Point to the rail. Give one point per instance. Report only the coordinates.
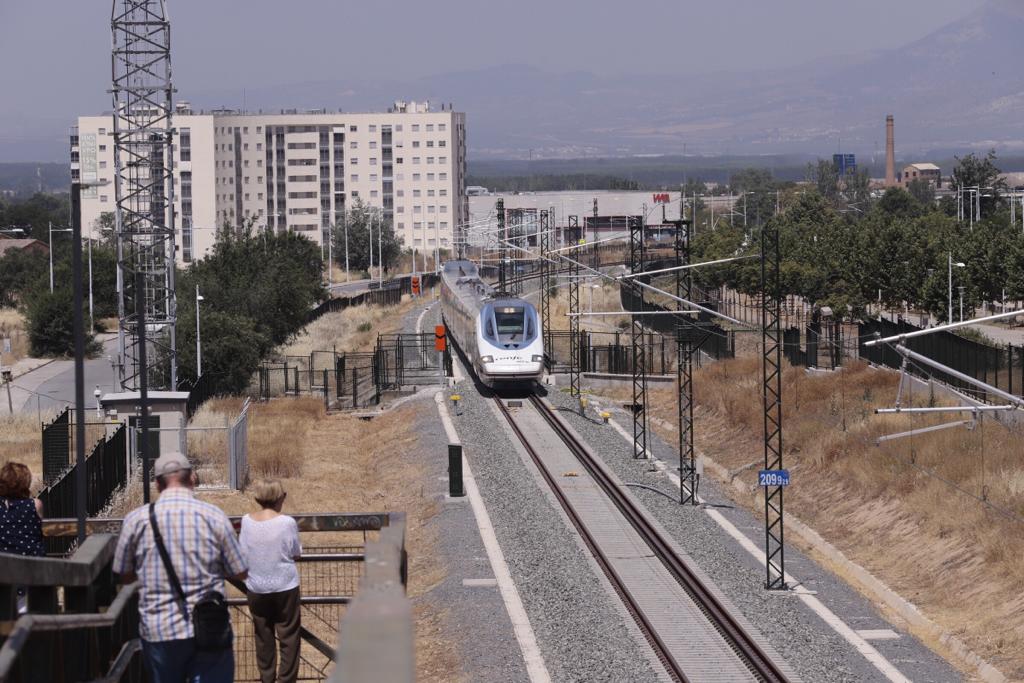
(716, 612)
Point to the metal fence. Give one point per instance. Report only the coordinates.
(106, 470)
(56, 438)
(1001, 367)
(238, 450)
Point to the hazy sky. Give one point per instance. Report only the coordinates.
(55, 54)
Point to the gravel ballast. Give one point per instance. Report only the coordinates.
(811, 646)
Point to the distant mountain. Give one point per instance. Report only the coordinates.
(959, 88)
(956, 88)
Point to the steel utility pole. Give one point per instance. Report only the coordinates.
(771, 387)
(78, 330)
(143, 184)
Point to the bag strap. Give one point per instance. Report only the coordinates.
(165, 556)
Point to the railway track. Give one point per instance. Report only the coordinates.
(720, 622)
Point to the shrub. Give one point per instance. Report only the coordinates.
(50, 317)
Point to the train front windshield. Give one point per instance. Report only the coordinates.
(510, 325)
(511, 322)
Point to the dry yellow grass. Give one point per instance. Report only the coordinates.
(21, 441)
(338, 463)
(885, 506)
(12, 326)
(605, 298)
(353, 329)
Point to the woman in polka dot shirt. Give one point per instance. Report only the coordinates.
(21, 526)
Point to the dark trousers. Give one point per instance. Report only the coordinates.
(276, 613)
(178, 661)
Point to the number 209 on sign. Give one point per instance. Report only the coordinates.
(773, 478)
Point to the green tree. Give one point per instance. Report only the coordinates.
(356, 228)
(923, 191)
(50, 318)
(758, 188)
(22, 272)
(980, 172)
(824, 175)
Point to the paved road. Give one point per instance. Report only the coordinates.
(51, 387)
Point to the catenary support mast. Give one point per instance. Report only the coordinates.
(143, 187)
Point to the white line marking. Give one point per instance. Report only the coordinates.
(419, 320)
(479, 583)
(878, 634)
(535, 667)
(808, 597)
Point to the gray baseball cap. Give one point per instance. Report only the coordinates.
(168, 463)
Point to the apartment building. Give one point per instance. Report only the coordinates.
(297, 171)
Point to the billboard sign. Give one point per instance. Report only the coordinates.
(845, 163)
(661, 198)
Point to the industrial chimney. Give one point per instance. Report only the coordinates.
(890, 152)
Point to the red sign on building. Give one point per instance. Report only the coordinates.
(661, 198)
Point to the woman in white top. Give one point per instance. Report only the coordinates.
(271, 545)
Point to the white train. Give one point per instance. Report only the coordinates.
(499, 334)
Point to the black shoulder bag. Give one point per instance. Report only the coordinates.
(211, 620)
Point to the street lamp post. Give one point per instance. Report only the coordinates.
(380, 246)
(958, 264)
(51, 231)
(961, 288)
(199, 343)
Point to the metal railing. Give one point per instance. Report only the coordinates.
(94, 634)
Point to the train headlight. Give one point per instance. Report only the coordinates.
(486, 359)
(537, 359)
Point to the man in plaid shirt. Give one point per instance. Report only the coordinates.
(203, 549)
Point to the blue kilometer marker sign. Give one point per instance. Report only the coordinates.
(773, 478)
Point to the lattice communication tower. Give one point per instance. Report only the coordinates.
(143, 187)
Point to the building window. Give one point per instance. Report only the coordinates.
(103, 148)
(430, 193)
(430, 128)
(430, 176)
(373, 144)
(431, 209)
(373, 193)
(355, 193)
(103, 198)
(443, 192)
(415, 193)
(260, 197)
(430, 143)
(259, 129)
(259, 146)
(444, 176)
(353, 145)
(400, 209)
(441, 127)
(415, 160)
(442, 160)
(417, 225)
(246, 180)
(417, 209)
(354, 178)
(353, 129)
(442, 143)
(103, 164)
(246, 196)
(259, 163)
(373, 177)
(415, 177)
(373, 161)
(354, 161)
(444, 208)
(373, 128)
(400, 193)
(103, 131)
(430, 160)
(415, 143)
(415, 128)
